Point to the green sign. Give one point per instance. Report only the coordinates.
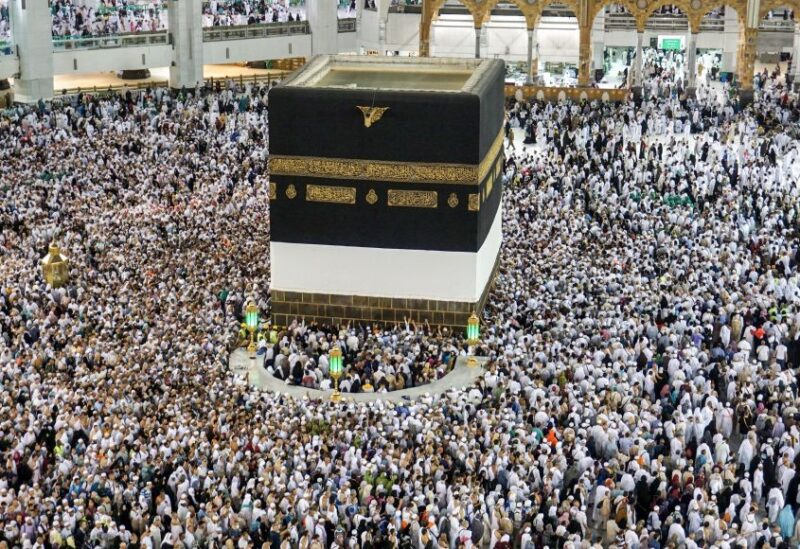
(671, 44)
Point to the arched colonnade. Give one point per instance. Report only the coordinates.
(749, 13)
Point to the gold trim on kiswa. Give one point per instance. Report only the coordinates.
(487, 189)
(413, 199)
(273, 190)
(372, 170)
(333, 195)
(474, 203)
(489, 160)
(498, 168)
(379, 170)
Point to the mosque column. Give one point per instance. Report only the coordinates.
(746, 63)
(359, 12)
(425, 28)
(382, 23)
(795, 72)
(484, 41)
(747, 51)
(185, 18)
(638, 61)
(598, 41)
(691, 61)
(323, 20)
(584, 55)
(533, 60)
(478, 31)
(730, 42)
(31, 27)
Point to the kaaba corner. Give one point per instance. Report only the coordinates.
(385, 188)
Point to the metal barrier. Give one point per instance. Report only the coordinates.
(613, 21)
(104, 91)
(347, 24)
(671, 23)
(776, 25)
(551, 10)
(555, 9)
(111, 41)
(554, 94)
(712, 24)
(269, 79)
(406, 8)
(626, 21)
(244, 32)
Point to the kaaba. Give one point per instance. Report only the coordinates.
(385, 187)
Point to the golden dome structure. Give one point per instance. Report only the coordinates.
(55, 267)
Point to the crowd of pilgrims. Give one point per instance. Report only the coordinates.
(5, 23)
(373, 362)
(223, 13)
(90, 18)
(642, 337)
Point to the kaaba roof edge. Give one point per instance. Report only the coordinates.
(312, 73)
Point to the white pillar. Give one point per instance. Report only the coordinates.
(31, 26)
(730, 41)
(484, 40)
(186, 29)
(478, 42)
(637, 68)
(752, 18)
(530, 55)
(359, 11)
(691, 60)
(599, 41)
(323, 18)
(796, 54)
(382, 24)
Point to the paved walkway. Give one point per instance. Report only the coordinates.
(462, 376)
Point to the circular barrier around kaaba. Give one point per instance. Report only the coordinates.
(461, 376)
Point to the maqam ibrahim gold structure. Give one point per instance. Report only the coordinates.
(55, 267)
(749, 12)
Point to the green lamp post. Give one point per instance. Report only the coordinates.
(335, 371)
(251, 323)
(473, 329)
(473, 337)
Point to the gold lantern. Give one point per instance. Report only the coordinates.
(55, 267)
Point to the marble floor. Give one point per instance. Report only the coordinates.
(613, 77)
(251, 371)
(161, 75)
(157, 75)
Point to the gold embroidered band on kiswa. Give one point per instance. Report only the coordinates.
(334, 195)
(380, 170)
(412, 199)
